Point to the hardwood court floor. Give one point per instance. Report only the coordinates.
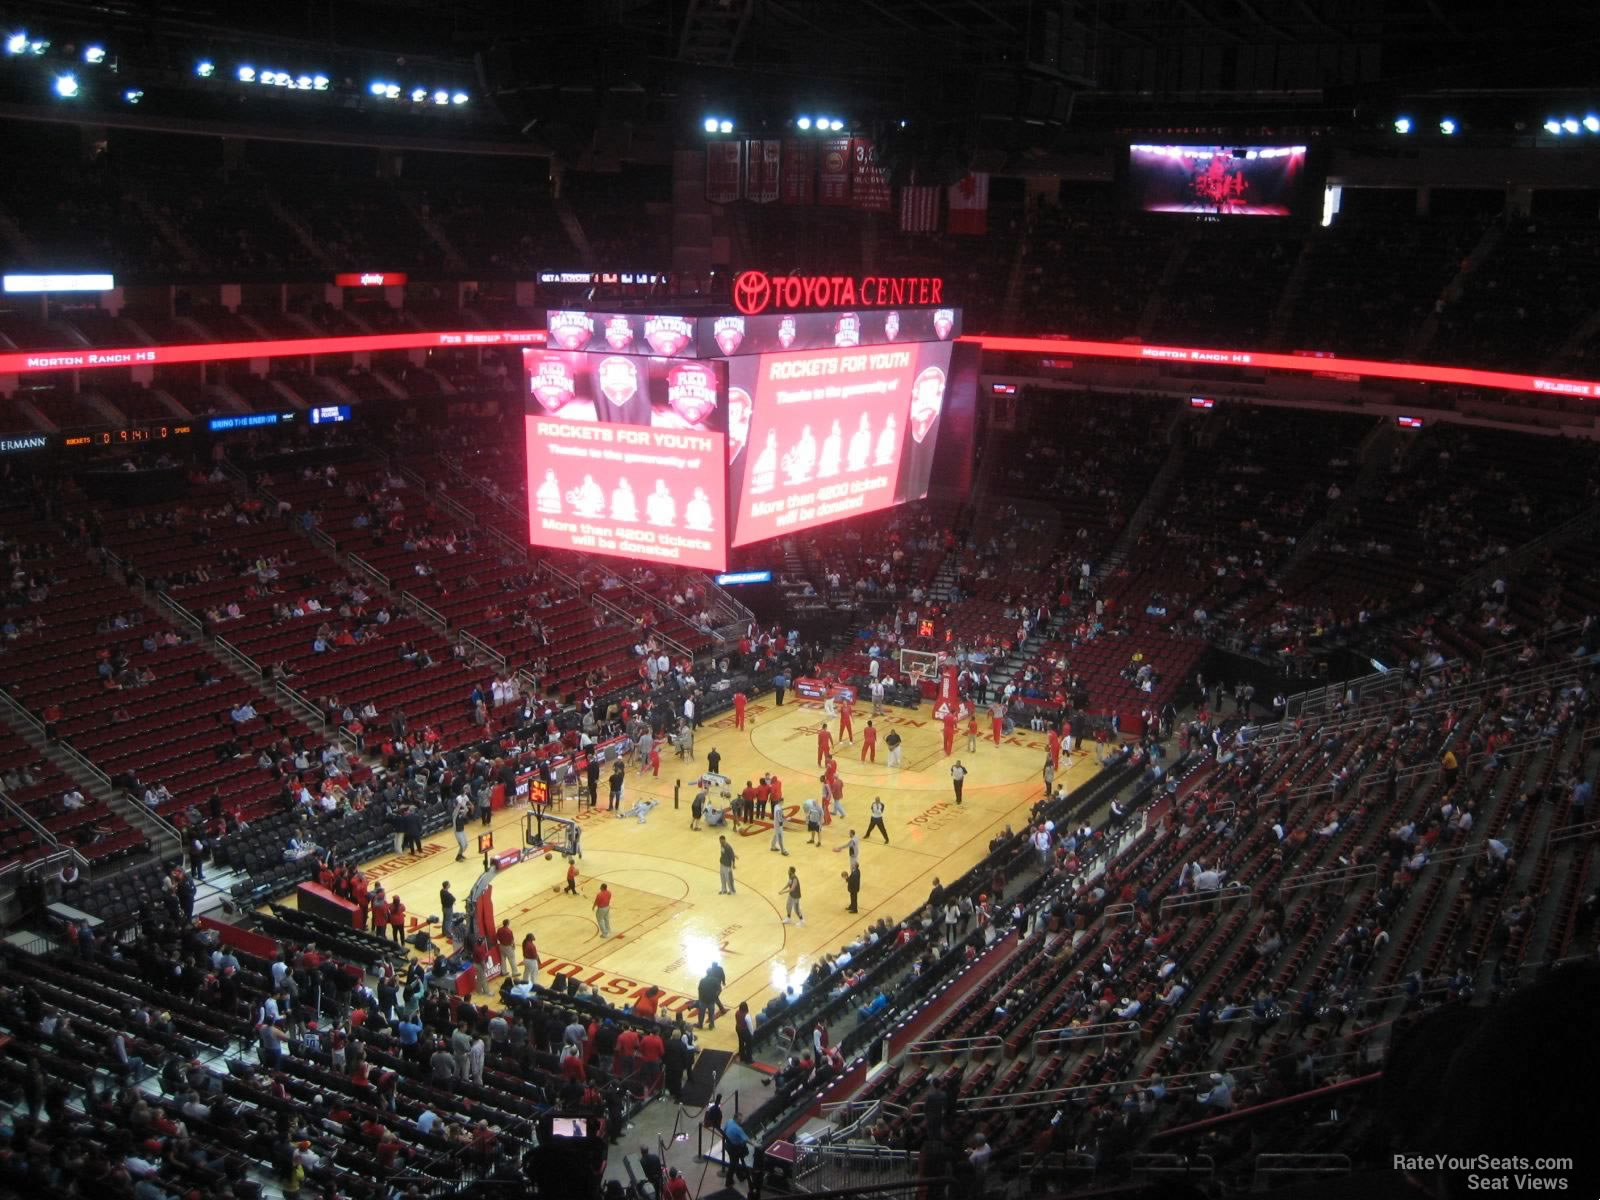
(669, 921)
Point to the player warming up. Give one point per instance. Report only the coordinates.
(869, 742)
(824, 743)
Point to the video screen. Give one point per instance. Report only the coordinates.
(1235, 181)
(814, 437)
(626, 456)
(773, 333)
(569, 1127)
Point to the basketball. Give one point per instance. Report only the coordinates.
(548, 856)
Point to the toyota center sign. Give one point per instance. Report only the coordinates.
(756, 291)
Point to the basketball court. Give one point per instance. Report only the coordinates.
(669, 920)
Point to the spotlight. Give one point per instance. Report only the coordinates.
(377, 87)
(441, 97)
(803, 123)
(1552, 126)
(418, 95)
(66, 86)
(1570, 125)
(1402, 124)
(247, 74)
(17, 43)
(709, 125)
(391, 91)
(459, 98)
(726, 127)
(303, 83)
(319, 83)
(836, 124)
(1592, 123)
(1447, 126)
(205, 68)
(133, 95)
(94, 55)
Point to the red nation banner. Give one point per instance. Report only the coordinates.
(833, 173)
(722, 171)
(869, 183)
(799, 172)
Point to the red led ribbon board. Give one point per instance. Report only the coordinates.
(1415, 372)
(26, 361)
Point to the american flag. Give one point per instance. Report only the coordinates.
(919, 209)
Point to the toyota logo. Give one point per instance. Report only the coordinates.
(752, 292)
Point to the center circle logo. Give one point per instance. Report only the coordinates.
(752, 292)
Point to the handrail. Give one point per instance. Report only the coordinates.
(482, 647)
(507, 542)
(1568, 833)
(1253, 1110)
(426, 610)
(55, 858)
(1227, 893)
(308, 711)
(28, 818)
(177, 610)
(1128, 1027)
(1302, 1164)
(239, 657)
(985, 1041)
(367, 569)
(1051, 1097)
(1329, 875)
(670, 642)
(1155, 1163)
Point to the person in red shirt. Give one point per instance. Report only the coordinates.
(747, 801)
(869, 742)
(380, 914)
(651, 1048)
(397, 921)
(972, 731)
(1054, 741)
(763, 797)
(997, 719)
(739, 701)
(824, 742)
(677, 1186)
(847, 728)
(949, 731)
(775, 787)
(646, 1005)
(507, 941)
(480, 956)
(655, 758)
(1066, 732)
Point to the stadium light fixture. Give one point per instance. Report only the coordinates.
(1448, 126)
(725, 127)
(803, 123)
(836, 124)
(205, 68)
(460, 98)
(133, 95)
(377, 87)
(418, 95)
(247, 74)
(1570, 125)
(67, 86)
(319, 83)
(709, 125)
(303, 83)
(1402, 124)
(1592, 123)
(94, 55)
(441, 97)
(1552, 126)
(391, 91)
(17, 43)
